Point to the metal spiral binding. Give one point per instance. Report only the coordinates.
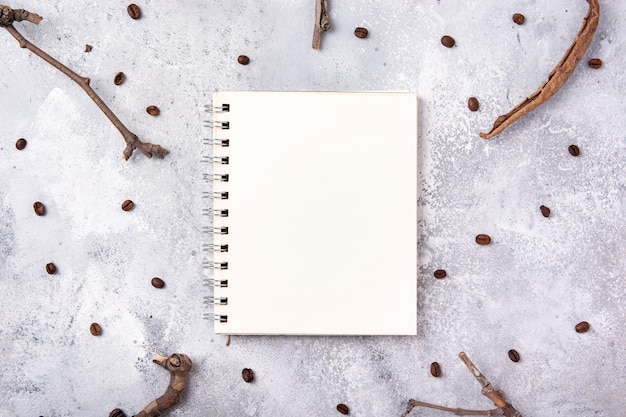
(216, 317)
(215, 252)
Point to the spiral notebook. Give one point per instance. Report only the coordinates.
(315, 213)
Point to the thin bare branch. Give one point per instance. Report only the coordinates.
(457, 411)
(488, 391)
(9, 15)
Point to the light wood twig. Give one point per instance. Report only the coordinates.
(322, 22)
(457, 411)
(497, 397)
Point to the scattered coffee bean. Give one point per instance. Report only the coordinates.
(243, 60)
(343, 409)
(247, 374)
(153, 110)
(545, 211)
(95, 329)
(472, 103)
(117, 413)
(440, 274)
(483, 239)
(448, 41)
(361, 33)
(519, 18)
(435, 370)
(51, 268)
(88, 48)
(595, 63)
(514, 355)
(128, 205)
(40, 209)
(20, 144)
(158, 282)
(582, 327)
(133, 11)
(119, 78)
(573, 150)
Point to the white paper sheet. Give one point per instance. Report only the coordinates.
(322, 213)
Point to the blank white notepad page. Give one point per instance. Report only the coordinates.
(322, 203)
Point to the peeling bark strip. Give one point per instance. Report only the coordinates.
(558, 76)
(9, 15)
(179, 366)
(322, 22)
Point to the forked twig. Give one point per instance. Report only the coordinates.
(557, 77)
(504, 408)
(322, 22)
(9, 15)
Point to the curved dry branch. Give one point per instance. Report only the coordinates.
(556, 78)
(179, 366)
(8, 16)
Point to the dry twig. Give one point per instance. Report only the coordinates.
(556, 78)
(9, 15)
(504, 408)
(496, 397)
(179, 366)
(322, 22)
(458, 411)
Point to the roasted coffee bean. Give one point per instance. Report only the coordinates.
(448, 41)
(545, 211)
(595, 63)
(51, 268)
(483, 239)
(361, 33)
(513, 355)
(158, 282)
(472, 103)
(440, 273)
(247, 374)
(20, 144)
(117, 413)
(88, 48)
(573, 150)
(243, 60)
(133, 11)
(128, 205)
(343, 409)
(119, 78)
(582, 327)
(95, 329)
(435, 370)
(519, 18)
(153, 110)
(40, 209)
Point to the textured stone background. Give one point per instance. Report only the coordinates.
(526, 290)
